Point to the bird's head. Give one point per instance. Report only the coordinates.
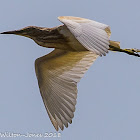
(30, 31)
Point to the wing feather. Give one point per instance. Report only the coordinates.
(93, 35)
(58, 74)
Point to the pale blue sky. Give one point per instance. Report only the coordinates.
(108, 104)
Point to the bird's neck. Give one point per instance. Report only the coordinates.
(49, 37)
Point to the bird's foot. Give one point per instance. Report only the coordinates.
(132, 51)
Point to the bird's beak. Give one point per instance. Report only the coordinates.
(16, 32)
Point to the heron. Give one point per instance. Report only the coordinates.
(77, 43)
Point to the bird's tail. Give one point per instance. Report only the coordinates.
(115, 46)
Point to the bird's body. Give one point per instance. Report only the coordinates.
(59, 37)
(77, 44)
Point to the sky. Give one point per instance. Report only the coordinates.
(108, 104)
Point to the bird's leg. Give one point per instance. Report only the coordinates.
(132, 51)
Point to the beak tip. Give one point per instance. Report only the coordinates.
(5, 33)
(2, 33)
(9, 32)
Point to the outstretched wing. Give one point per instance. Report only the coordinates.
(93, 35)
(58, 74)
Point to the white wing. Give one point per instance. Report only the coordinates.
(58, 74)
(93, 35)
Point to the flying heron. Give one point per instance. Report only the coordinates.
(77, 43)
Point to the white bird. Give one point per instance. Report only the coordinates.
(77, 44)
